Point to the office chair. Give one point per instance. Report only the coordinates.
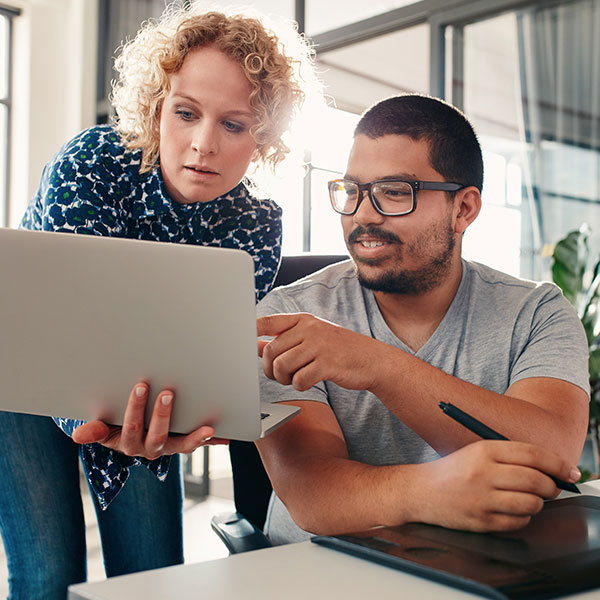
(242, 530)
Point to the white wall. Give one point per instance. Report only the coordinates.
(54, 86)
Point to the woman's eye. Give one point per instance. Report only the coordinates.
(186, 115)
(233, 127)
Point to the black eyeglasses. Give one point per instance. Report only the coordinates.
(389, 197)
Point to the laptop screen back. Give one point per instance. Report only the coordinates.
(83, 318)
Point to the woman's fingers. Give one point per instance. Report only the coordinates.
(90, 432)
(132, 430)
(186, 444)
(158, 430)
(133, 440)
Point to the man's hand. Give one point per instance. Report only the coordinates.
(307, 350)
(133, 440)
(491, 485)
(486, 485)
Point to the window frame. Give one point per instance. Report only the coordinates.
(439, 15)
(9, 14)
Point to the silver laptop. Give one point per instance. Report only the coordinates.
(83, 318)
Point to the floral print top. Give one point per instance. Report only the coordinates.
(93, 186)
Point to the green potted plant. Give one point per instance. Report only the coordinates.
(577, 273)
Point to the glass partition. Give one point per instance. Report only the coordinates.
(361, 74)
(5, 100)
(530, 83)
(323, 16)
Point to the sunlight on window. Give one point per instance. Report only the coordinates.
(326, 227)
(4, 116)
(329, 153)
(495, 236)
(326, 135)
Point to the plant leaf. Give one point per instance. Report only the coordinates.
(571, 256)
(595, 364)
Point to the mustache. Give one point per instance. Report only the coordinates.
(372, 231)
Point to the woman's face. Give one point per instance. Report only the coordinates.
(205, 143)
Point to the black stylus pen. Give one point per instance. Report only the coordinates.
(483, 431)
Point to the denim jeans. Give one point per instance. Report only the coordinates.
(41, 513)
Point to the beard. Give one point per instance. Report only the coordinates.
(434, 266)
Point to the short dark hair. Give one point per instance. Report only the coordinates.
(454, 150)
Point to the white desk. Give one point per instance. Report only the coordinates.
(292, 572)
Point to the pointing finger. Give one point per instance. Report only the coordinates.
(274, 325)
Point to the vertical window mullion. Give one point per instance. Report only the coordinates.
(5, 114)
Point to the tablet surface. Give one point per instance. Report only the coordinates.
(556, 554)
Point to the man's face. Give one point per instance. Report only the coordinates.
(409, 254)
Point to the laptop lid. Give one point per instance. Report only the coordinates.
(83, 318)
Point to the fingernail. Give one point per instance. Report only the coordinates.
(166, 399)
(140, 391)
(207, 439)
(575, 474)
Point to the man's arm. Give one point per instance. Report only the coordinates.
(544, 411)
(486, 486)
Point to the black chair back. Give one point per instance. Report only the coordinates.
(251, 486)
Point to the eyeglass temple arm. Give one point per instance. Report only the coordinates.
(443, 186)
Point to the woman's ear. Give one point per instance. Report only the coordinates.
(467, 206)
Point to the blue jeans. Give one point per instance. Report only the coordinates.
(41, 513)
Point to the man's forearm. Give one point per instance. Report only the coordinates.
(326, 495)
(547, 412)
(307, 350)
(486, 486)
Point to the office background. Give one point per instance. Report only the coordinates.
(527, 74)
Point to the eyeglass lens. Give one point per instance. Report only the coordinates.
(393, 197)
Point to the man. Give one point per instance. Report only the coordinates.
(371, 346)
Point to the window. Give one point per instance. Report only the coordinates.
(309, 222)
(6, 17)
(528, 79)
(498, 237)
(529, 82)
(323, 16)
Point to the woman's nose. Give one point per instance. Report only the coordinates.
(204, 139)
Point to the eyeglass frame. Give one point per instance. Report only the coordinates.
(416, 186)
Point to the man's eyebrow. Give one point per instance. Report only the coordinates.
(402, 176)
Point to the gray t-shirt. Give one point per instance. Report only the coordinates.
(498, 330)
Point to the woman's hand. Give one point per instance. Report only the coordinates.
(133, 440)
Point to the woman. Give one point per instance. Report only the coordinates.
(200, 97)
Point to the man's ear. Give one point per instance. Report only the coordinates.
(467, 204)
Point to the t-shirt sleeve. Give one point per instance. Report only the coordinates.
(557, 345)
(277, 302)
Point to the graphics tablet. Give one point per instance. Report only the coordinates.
(558, 553)
(83, 318)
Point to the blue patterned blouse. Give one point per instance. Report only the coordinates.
(93, 186)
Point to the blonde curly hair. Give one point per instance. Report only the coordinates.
(278, 70)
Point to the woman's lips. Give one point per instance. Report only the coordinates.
(201, 173)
